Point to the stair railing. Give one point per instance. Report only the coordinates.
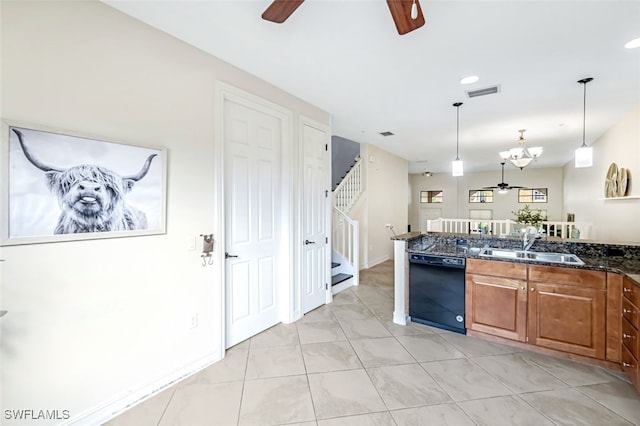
(345, 240)
(347, 193)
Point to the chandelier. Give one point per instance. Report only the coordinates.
(521, 156)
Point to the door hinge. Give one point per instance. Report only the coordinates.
(326, 147)
(326, 193)
(326, 286)
(326, 240)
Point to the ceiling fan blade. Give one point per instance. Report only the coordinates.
(401, 13)
(280, 10)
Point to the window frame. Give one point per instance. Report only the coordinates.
(481, 201)
(430, 196)
(531, 199)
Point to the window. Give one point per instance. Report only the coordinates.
(431, 196)
(533, 195)
(481, 196)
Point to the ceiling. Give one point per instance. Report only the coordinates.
(346, 57)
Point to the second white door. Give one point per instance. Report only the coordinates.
(315, 203)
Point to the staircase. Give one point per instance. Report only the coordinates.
(344, 254)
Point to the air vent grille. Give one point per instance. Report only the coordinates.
(386, 133)
(482, 92)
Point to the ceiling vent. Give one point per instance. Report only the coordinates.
(386, 133)
(482, 92)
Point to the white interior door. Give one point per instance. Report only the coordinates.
(315, 202)
(252, 175)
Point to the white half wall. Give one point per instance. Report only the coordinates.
(94, 324)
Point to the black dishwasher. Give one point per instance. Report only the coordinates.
(436, 291)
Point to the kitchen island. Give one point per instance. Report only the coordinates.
(584, 309)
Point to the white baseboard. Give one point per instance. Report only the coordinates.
(377, 261)
(110, 409)
(400, 318)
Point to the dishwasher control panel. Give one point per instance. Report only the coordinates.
(453, 262)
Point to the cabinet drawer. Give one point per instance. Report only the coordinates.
(630, 338)
(568, 276)
(631, 291)
(497, 269)
(630, 366)
(630, 312)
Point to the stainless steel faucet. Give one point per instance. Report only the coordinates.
(528, 238)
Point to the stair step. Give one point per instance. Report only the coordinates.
(334, 264)
(337, 279)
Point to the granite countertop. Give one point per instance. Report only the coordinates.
(434, 244)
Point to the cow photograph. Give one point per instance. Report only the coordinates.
(63, 187)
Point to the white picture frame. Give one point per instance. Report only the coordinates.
(59, 185)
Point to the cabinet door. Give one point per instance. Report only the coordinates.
(614, 303)
(496, 306)
(567, 318)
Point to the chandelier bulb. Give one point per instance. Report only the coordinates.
(414, 10)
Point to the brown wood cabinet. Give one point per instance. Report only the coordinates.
(567, 310)
(630, 327)
(496, 298)
(553, 307)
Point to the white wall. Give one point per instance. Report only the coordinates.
(385, 200)
(456, 192)
(93, 321)
(614, 220)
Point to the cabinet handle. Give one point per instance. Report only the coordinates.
(533, 289)
(523, 288)
(627, 311)
(627, 336)
(626, 364)
(626, 290)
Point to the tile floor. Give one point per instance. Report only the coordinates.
(347, 364)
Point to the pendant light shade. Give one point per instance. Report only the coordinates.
(457, 168)
(584, 154)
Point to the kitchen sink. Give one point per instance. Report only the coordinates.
(535, 256)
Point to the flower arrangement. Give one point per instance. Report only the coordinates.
(526, 216)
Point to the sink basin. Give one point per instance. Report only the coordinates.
(511, 254)
(535, 256)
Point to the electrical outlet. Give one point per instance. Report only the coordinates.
(193, 321)
(190, 243)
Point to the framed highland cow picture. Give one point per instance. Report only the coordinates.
(60, 186)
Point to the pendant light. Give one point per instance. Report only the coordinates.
(456, 165)
(522, 156)
(584, 154)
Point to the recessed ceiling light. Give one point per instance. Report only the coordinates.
(387, 133)
(633, 44)
(470, 79)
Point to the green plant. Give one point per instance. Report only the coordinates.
(526, 216)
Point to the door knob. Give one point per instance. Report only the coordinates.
(227, 255)
(307, 242)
